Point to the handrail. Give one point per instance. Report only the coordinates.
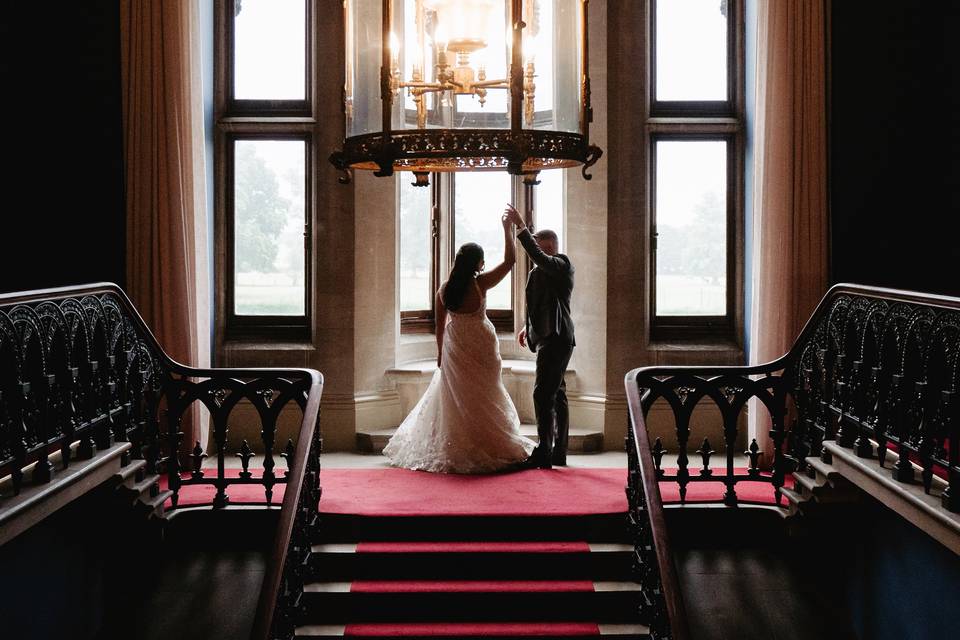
(299, 510)
(872, 368)
(80, 363)
(661, 586)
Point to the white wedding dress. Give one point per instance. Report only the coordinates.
(465, 422)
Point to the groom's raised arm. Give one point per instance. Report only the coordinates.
(550, 264)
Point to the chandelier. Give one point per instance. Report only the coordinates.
(465, 85)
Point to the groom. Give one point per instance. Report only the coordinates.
(548, 331)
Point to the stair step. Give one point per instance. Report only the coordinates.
(132, 471)
(146, 488)
(581, 440)
(605, 527)
(470, 601)
(471, 630)
(811, 486)
(155, 503)
(822, 468)
(488, 560)
(794, 499)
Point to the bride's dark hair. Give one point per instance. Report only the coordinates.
(465, 267)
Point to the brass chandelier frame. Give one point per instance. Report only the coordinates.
(518, 150)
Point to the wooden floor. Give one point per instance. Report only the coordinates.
(746, 576)
(195, 595)
(756, 594)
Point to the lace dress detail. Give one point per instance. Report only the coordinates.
(466, 421)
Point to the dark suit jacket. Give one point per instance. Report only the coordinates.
(549, 286)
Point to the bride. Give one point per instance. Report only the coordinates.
(465, 422)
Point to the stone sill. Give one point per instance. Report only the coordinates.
(423, 338)
(679, 345)
(908, 500)
(262, 345)
(425, 369)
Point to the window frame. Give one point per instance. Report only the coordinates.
(700, 120)
(425, 320)
(259, 120)
(695, 108)
(694, 326)
(443, 195)
(267, 108)
(287, 326)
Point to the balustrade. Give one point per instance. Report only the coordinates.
(873, 369)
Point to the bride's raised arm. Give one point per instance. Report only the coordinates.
(492, 278)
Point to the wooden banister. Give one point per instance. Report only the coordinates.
(291, 545)
(667, 617)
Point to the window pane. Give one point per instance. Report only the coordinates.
(270, 50)
(480, 200)
(415, 246)
(548, 203)
(269, 217)
(691, 49)
(691, 215)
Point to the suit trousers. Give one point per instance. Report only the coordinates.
(550, 399)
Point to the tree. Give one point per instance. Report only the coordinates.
(260, 212)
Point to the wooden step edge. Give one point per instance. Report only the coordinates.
(155, 503)
(148, 487)
(821, 467)
(810, 485)
(131, 470)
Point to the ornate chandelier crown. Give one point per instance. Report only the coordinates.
(466, 85)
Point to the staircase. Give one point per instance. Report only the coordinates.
(818, 483)
(142, 489)
(471, 577)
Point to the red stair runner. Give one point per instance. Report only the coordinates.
(473, 547)
(492, 629)
(470, 586)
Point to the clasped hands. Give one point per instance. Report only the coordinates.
(512, 216)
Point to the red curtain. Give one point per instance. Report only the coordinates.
(790, 238)
(165, 185)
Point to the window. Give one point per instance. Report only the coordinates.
(264, 144)
(478, 202)
(694, 132)
(458, 208)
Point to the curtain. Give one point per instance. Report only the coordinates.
(790, 237)
(167, 264)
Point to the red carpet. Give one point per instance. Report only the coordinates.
(399, 492)
(492, 629)
(469, 586)
(473, 547)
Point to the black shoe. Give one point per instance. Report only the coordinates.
(545, 464)
(530, 463)
(559, 461)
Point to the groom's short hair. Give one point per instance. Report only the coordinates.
(546, 234)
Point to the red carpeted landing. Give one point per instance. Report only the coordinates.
(561, 491)
(399, 492)
(491, 629)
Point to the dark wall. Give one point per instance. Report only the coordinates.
(893, 177)
(62, 216)
(901, 584)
